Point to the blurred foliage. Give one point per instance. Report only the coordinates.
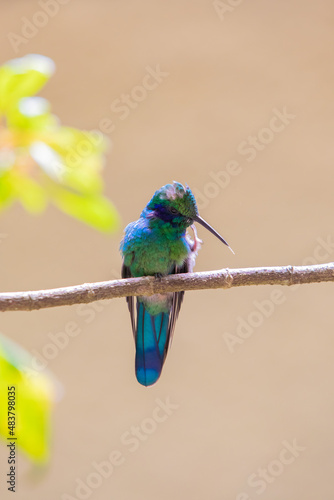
(41, 161)
(35, 393)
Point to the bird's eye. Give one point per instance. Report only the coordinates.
(173, 210)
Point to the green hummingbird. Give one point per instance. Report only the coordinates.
(157, 244)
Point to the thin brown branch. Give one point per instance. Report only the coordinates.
(225, 278)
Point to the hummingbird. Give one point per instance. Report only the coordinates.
(157, 244)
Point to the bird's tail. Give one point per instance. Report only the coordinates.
(152, 341)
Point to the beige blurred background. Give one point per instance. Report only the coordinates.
(228, 71)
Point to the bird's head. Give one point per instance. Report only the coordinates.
(175, 205)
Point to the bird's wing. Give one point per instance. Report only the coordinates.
(176, 302)
(126, 273)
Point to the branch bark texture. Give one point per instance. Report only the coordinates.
(225, 278)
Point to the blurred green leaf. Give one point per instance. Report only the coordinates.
(35, 394)
(40, 159)
(79, 147)
(23, 77)
(31, 114)
(6, 194)
(49, 161)
(32, 196)
(94, 210)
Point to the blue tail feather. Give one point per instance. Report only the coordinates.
(152, 338)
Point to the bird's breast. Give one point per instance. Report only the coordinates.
(158, 255)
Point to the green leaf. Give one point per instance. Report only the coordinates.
(86, 182)
(78, 146)
(34, 396)
(6, 192)
(43, 160)
(23, 77)
(80, 154)
(32, 196)
(31, 114)
(94, 210)
(49, 161)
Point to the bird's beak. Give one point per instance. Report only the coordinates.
(213, 231)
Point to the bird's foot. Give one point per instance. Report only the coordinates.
(196, 244)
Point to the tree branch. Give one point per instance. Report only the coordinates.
(225, 278)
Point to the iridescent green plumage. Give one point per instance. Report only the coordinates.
(156, 245)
